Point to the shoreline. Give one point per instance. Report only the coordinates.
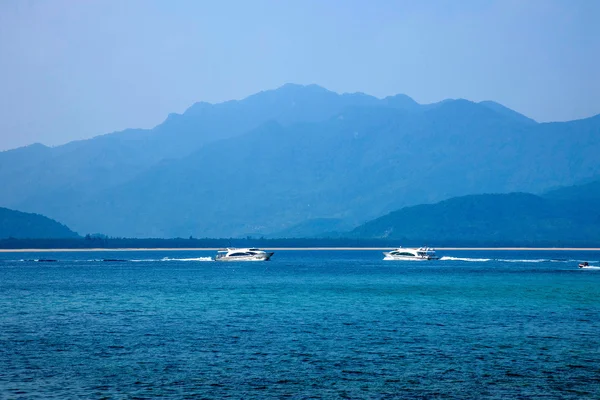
(302, 249)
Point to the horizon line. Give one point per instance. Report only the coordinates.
(297, 249)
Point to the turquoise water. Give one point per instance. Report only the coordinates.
(308, 324)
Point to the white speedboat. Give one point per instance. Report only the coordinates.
(250, 254)
(411, 253)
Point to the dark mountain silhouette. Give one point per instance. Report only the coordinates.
(566, 215)
(276, 159)
(20, 225)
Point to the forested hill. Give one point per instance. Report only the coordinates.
(20, 225)
(568, 215)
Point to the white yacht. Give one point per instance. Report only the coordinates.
(408, 253)
(250, 254)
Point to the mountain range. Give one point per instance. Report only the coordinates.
(290, 157)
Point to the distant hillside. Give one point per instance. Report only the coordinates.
(314, 228)
(499, 108)
(578, 193)
(269, 163)
(517, 217)
(20, 225)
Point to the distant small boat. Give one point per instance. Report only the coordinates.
(249, 254)
(410, 253)
(584, 264)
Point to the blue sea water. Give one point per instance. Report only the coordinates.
(307, 324)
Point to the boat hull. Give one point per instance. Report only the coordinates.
(258, 257)
(407, 258)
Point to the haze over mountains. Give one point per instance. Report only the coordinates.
(566, 217)
(294, 155)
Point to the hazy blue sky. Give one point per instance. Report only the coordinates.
(75, 69)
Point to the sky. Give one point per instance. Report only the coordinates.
(71, 70)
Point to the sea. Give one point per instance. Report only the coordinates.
(305, 325)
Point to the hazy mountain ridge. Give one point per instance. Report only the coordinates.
(351, 168)
(278, 158)
(22, 225)
(589, 191)
(505, 111)
(568, 214)
(90, 165)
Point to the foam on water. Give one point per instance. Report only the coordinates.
(509, 260)
(205, 259)
(111, 260)
(188, 259)
(448, 258)
(201, 259)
